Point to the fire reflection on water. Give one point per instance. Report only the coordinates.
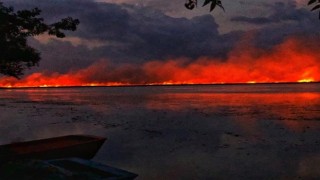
(294, 111)
(195, 129)
(243, 105)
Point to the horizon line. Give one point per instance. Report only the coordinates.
(148, 85)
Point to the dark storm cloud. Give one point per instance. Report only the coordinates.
(143, 34)
(136, 34)
(285, 21)
(129, 33)
(257, 20)
(281, 13)
(62, 57)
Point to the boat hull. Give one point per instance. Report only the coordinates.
(92, 169)
(80, 146)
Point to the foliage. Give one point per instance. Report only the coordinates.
(190, 4)
(15, 54)
(316, 7)
(214, 4)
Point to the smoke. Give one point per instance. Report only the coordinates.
(294, 60)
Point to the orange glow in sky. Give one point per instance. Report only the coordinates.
(291, 61)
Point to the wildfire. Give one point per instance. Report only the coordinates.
(287, 62)
(306, 80)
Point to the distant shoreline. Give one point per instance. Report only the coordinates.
(154, 85)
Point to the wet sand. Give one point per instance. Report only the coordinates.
(178, 133)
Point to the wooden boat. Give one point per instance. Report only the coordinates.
(87, 169)
(81, 146)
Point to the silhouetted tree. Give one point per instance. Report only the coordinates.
(191, 4)
(15, 27)
(316, 7)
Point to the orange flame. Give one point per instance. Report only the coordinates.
(288, 62)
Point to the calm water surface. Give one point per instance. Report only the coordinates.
(180, 132)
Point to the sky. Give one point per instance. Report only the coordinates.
(123, 42)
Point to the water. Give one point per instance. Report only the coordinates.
(180, 132)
